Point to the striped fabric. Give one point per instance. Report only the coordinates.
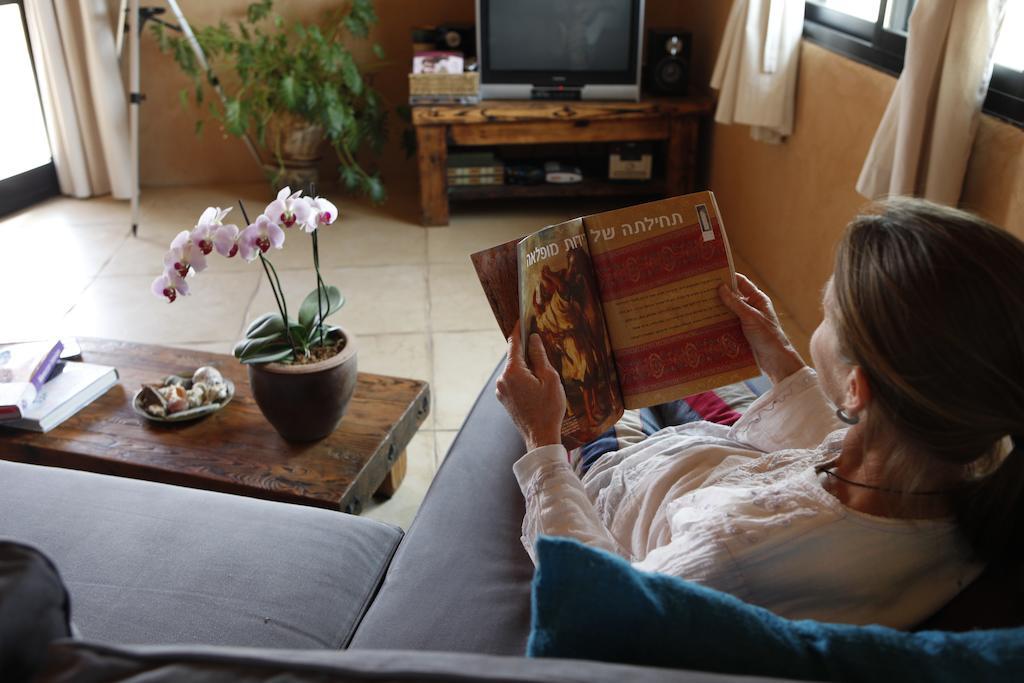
(723, 405)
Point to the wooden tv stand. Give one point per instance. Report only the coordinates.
(674, 121)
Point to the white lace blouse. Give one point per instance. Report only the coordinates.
(742, 509)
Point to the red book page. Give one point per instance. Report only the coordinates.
(658, 267)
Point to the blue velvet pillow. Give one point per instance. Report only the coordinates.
(590, 604)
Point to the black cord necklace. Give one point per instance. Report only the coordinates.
(826, 468)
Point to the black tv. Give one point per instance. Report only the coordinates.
(559, 49)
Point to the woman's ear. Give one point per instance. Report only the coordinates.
(857, 393)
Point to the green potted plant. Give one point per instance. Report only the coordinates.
(292, 87)
(302, 370)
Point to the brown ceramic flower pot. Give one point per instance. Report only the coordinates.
(306, 402)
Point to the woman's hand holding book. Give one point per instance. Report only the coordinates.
(774, 352)
(532, 395)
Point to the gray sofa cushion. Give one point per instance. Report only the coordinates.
(151, 563)
(77, 661)
(461, 579)
(34, 610)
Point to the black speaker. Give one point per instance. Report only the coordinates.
(452, 37)
(668, 61)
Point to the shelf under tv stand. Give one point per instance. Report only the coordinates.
(672, 121)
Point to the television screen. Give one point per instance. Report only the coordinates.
(560, 35)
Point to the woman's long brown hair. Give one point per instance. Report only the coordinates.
(931, 305)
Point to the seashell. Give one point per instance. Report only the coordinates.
(207, 375)
(197, 395)
(218, 393)
(156, 410)
(177, 404)
(151, 396)
(176, 397)
(173, 380)
(172, 391)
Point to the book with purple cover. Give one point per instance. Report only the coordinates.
(23, 370)
(73, 386)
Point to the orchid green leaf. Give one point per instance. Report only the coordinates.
(330, 300)
(268, 356)
(268, 323)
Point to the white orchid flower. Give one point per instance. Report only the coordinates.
(226, 240)
(288, 209)
(185, 253)
(320, 212)
(260, 237)
(204, 232)
(169, 285)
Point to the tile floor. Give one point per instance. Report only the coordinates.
(71, 267)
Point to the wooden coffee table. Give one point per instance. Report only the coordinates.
(234, 450)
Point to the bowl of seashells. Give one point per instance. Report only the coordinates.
(180, 398)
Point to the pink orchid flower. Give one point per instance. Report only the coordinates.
(185, 253)
(226, 240)
(320, 212)
(204, 232)
(260, 237)
(288, 209)
(169, 285)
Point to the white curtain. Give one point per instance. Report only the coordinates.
(923, 143)
(83, 96)
(756, 70)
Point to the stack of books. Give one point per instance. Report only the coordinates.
(475, 168)
(39, 390)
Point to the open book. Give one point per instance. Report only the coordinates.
(627, 305)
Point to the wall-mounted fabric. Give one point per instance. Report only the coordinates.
(756, 69)
(83, 95)
(925, 137)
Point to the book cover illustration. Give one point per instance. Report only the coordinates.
(497, 269)
(559, 301)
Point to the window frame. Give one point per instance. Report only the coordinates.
(874, 45)
(34, 185)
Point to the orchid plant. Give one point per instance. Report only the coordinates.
(273, 337)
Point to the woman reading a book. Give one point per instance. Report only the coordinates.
(871, 490)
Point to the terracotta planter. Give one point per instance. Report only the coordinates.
(298, 143)
(294, 138)
(306, 402)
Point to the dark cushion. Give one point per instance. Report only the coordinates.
(152, 563)
(34, 610)
(78, 661)
(590, 604)
(461, 579)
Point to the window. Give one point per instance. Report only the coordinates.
(875, 32)
(26, 165)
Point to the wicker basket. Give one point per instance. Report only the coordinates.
(464, 84)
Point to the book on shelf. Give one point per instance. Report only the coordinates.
(626, 304)
(462, 181)
(463, 171)
(475, 168)
(71, 387)
(23, 370)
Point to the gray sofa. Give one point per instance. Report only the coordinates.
(157, 574)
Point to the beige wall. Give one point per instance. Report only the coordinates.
(786, 205)
(171, 154)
